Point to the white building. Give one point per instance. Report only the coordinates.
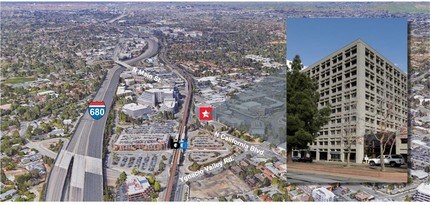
(167, 98)
(169, 105)
(49, 92)
(322, 195)
(135, 110)
(147, 99)
(423, 193)
(123, 91)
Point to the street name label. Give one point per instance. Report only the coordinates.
(244, 145)
(208, 168)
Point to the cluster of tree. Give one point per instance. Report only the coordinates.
(154, 183)
(7, 142)
(304, 119)
(194, 167)
(108, 193)
(56, 147)
(161, 167)
(109, 131)
(121, 179)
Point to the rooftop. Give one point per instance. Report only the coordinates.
(136, 184)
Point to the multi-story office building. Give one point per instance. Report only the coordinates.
(367, 93)
(423, 192)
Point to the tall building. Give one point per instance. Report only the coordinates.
(365, 91)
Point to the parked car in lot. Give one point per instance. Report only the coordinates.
(394, 160)
(301, 159)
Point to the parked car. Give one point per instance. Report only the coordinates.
(301, 159)
(394, 160)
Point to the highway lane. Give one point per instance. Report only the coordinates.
(86, 147)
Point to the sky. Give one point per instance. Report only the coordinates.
(316, 38)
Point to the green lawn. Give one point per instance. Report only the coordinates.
(18, 80)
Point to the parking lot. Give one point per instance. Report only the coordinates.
(167, 127)
(147, 162)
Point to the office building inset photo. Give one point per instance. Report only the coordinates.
(347, 110)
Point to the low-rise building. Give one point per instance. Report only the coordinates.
(147, 99)
(141, 141)
(138, 188)
(135, 110)
(322, 195)
(363, 196)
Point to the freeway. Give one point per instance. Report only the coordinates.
(77, 174)
(182, 130)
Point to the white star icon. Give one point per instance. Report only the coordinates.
(206, 114)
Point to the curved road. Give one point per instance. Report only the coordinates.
(78, 171)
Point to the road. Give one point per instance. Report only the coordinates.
(182, 131)
(297, 177)
(42, 146)
(78, 171)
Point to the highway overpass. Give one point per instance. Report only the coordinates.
(77, 174)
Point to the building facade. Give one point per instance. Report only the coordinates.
(367, 93)
(147, 142)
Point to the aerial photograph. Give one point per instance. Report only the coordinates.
(205, 102)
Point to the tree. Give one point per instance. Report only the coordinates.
(122, 177)
(274, 180)
(257, 192)
(304, 120)
(347, 137)
(157, 186)
(151, 179)
(15, 134)
(384, 137)
(29, 131)
(134, 171)
(408, 198)
(222, 198)
(266, 182)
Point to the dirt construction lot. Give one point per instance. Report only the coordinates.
(222, 184)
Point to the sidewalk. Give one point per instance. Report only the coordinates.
(357, 171)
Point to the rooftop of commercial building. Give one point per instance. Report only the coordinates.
(127, 139)
(424, 188)
(136, 184)
(134, 106)
(324, 191)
